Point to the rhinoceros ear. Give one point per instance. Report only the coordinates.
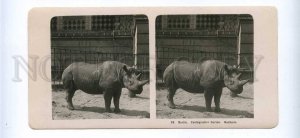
(226, 68)
(125, 69)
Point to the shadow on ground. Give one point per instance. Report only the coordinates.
(123, 111)
(242, 97)
(223, 111)
(139, 97)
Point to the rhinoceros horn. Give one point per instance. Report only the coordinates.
(243, 82)
(238, 76)
(143, 82)
(138, 76)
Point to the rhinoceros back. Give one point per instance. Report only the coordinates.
(84, 76)
(194, 77)
(92, 78)
(186, 77)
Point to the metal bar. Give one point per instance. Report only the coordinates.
(239, 46)
(54, 66)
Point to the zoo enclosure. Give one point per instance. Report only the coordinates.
(62, 58)
(167, 55)
(99, 38)
(228, 38)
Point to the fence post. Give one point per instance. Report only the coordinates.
(71, 60)
(239, 46)
(85, 56)
(54, 66)
(135, 45)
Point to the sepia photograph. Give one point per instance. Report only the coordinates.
(150, 68)
(196, 67)
(204, 66)
(100, 67)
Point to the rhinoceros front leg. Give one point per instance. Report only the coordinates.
(217, 98)
(107, 99)
(208, 94)
(170, 97)
(116, 96)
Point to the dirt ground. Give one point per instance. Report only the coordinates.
(92, 106)
(190, 105)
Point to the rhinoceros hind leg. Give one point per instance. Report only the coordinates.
(217, 98)
(107, 99)
(170, 96)
(69, 95)
(208, 98)
(116, 97)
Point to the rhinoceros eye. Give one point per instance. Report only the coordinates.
(130, 82)
(231, 82)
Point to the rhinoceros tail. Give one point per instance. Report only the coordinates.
(67, 77)
(168, 76)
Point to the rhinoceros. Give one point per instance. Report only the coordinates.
(208, 77)
(107, 78)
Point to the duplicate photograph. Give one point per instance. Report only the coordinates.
(204, 66)
(100, 67)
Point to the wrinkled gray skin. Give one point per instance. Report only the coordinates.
(208, 77)
(107, 78)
